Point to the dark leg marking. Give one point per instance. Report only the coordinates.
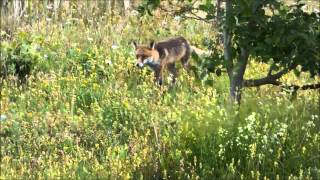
(172, 69)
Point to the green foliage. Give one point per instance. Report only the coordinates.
(147, 6)
(287, 36)
(19, 57)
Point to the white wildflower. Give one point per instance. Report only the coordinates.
(177, 18)
(49, 7)
(3, 117)
(114, 46)
(108, 61)
(310, 124)
(45, 57)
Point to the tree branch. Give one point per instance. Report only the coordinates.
(284, 86)
(269, 79)
(184, 11)
(304, 87)
(196, 17)
(272, 66)
(310, 86)
(259, 82)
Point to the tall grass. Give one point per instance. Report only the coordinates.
(85, 111)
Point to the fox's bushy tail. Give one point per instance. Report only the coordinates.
(199, 52)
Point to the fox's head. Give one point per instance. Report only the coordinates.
(146, 55)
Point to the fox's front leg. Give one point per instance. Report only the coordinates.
(158, 76)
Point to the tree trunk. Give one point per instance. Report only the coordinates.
(134, 4)
(56, 5)
(103, 6)
(74, 8)
(4, 7)
(126, 6)
(219, 13)
(18, 9)
(227, 38)
(217, 24)
(122, 7)
(113, 5)
(236, 78)
(235, 72)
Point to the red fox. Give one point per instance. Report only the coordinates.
(163, 54)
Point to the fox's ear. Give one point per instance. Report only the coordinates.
(152, 44)
(135, 44)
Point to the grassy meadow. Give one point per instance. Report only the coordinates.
(85, 111)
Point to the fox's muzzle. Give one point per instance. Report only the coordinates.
(140, 64)
(148, 61)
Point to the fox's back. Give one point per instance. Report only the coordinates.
(174, 47)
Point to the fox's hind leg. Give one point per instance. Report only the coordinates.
(172, 69)
(185, 58)
(185, 62)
